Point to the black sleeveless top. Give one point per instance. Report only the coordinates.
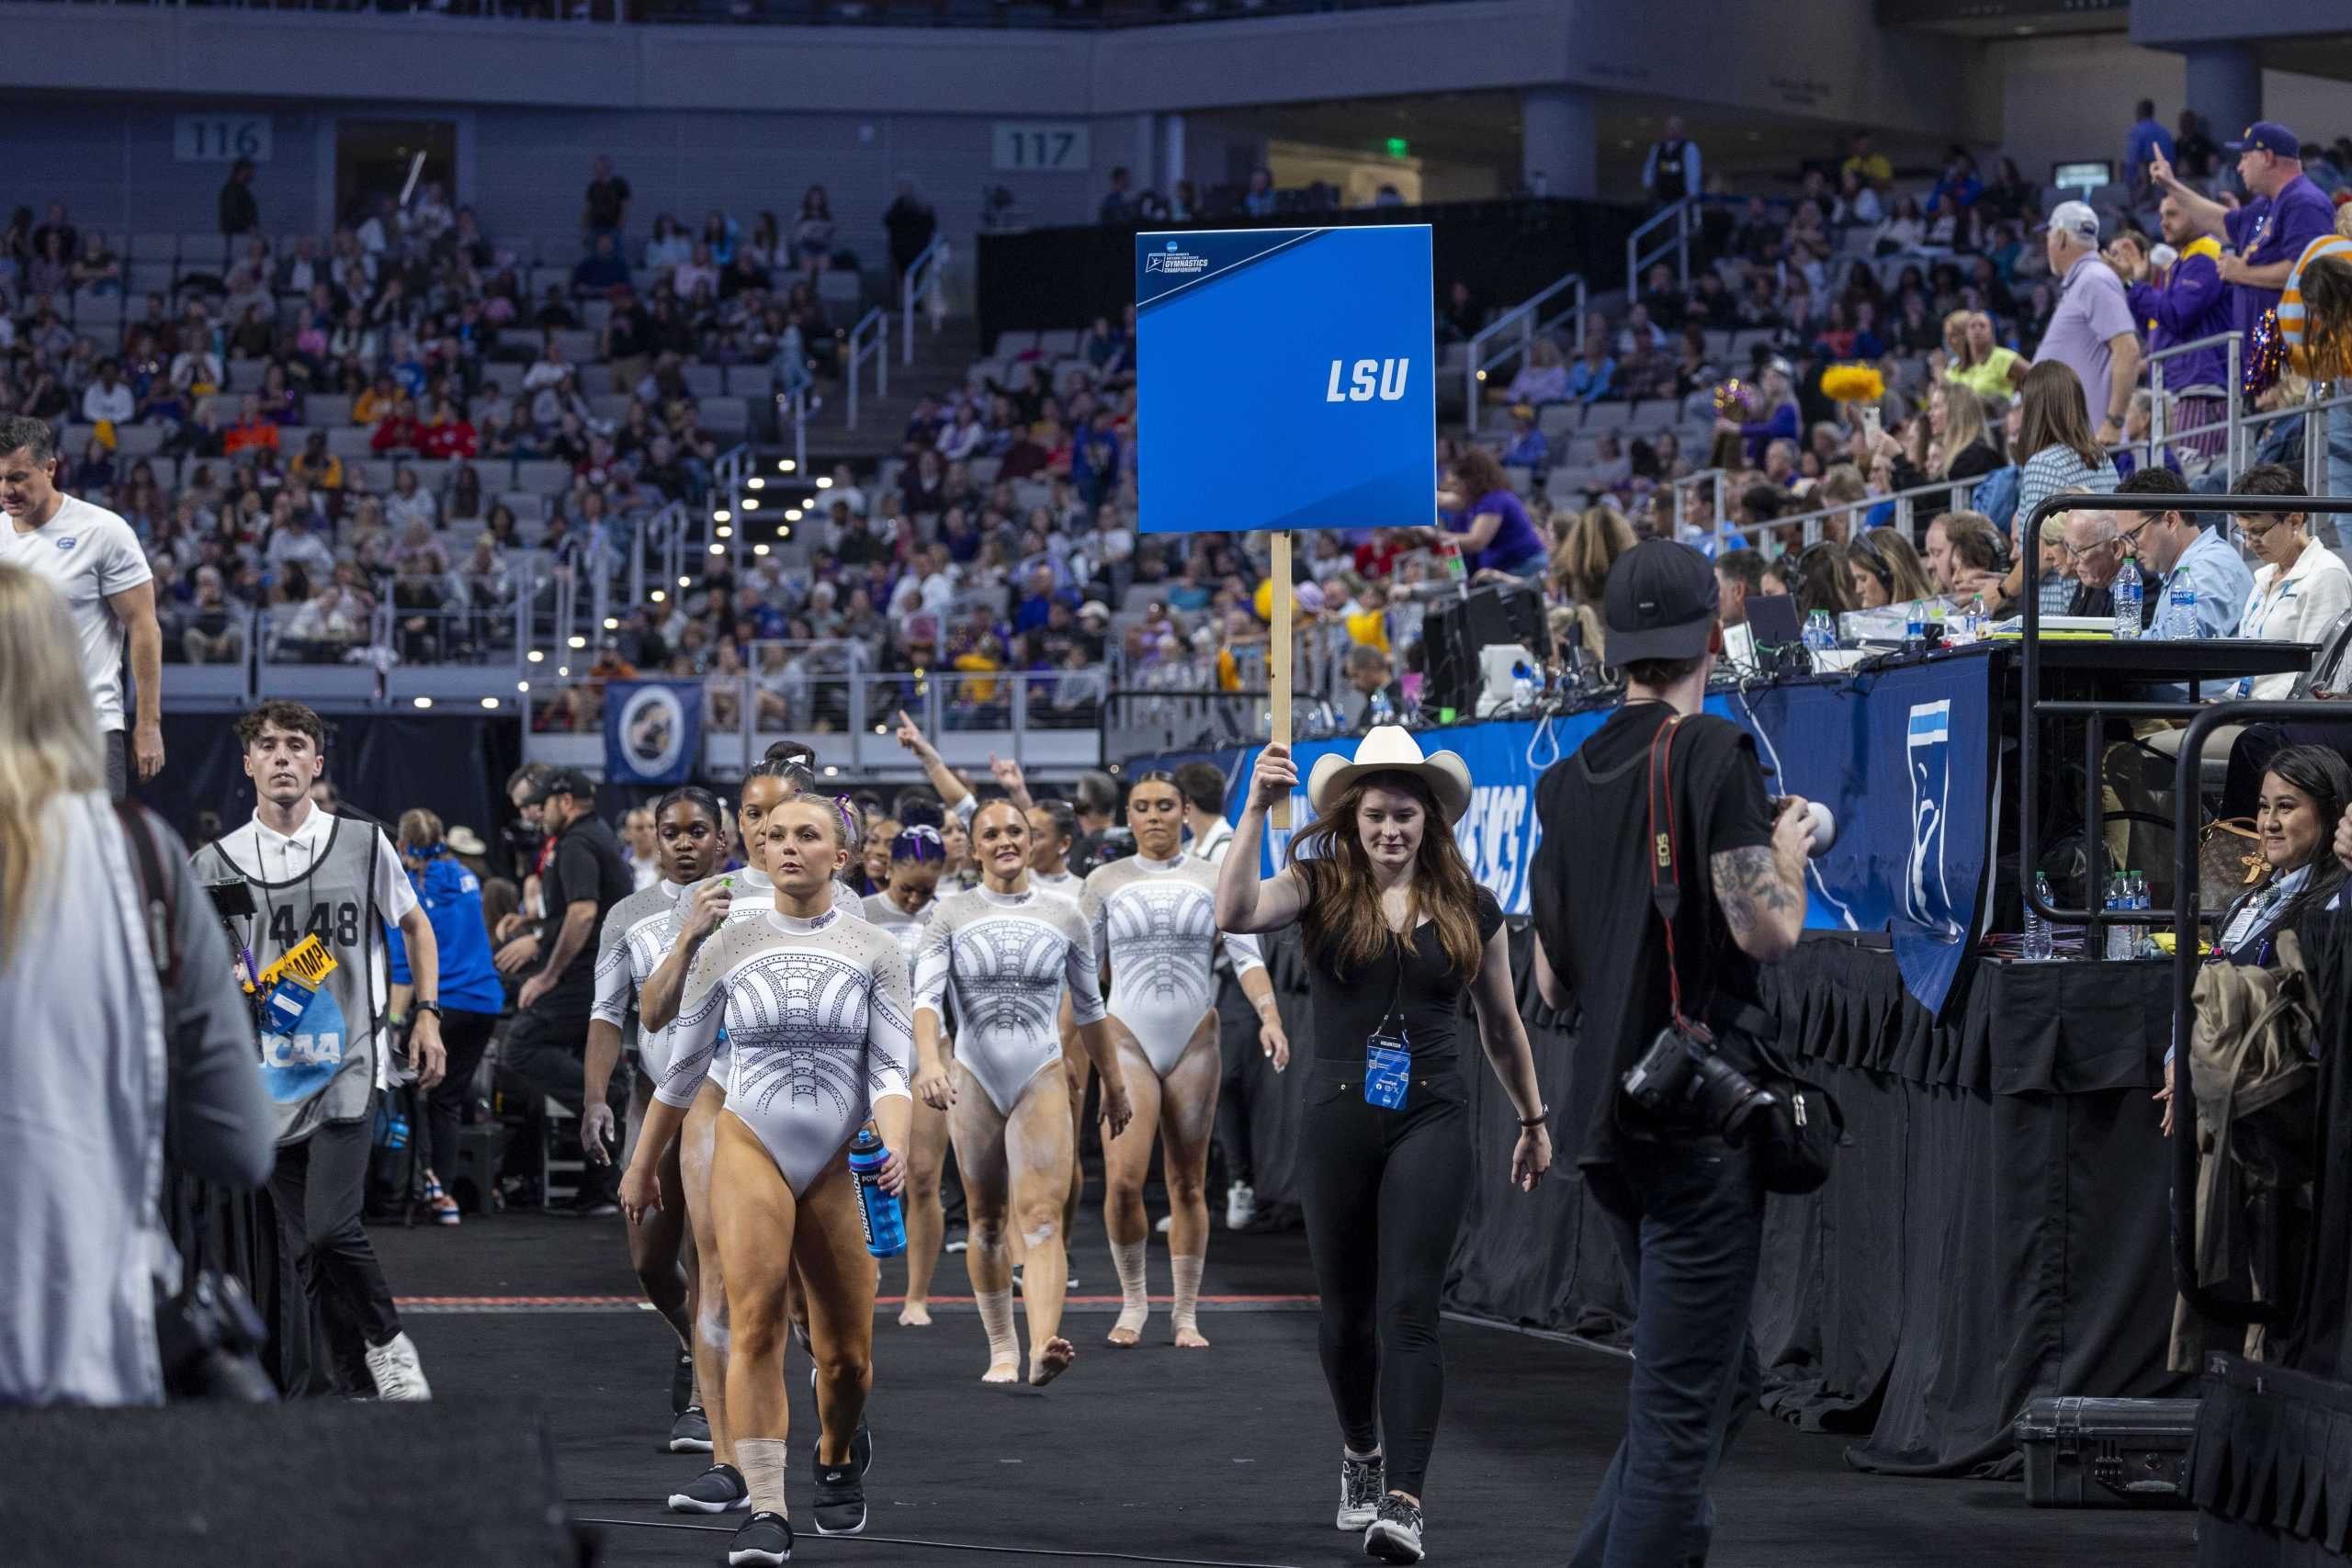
(1427, 992)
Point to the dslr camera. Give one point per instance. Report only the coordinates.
(1682, 1076)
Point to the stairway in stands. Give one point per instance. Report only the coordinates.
(942, 361)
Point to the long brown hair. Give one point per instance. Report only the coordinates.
(2057, 414)
(2327, 316)
(1344, 927)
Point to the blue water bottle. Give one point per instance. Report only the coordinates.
(884, 1222)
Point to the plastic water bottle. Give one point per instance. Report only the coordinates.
(2180, 617)
(1915, 626)
(1972, 624)
(2126, 603)
(1819, 635)
(1522, 687)
(2143, 938)
(395, 1128)
(2040, 947)
(884, 1222)
(1378, 709)
(2118, 899)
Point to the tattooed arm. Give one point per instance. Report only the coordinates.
(1761, 889)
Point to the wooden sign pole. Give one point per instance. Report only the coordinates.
(1278, 664)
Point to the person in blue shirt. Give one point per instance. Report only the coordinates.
(2180, 555)
(2147, 139)
(472, 995)
(1527, 447)
(2267, 234)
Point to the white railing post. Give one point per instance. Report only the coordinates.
(871, 335)
(923, 277)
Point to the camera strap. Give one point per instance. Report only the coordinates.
(1665, 892)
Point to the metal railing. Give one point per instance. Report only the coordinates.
(923, 280)
(1955, 494)
(1513, 333)
(792, 425)
(2160, 409)
(870, 339)
(1684, 217)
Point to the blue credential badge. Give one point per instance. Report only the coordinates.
(1387, 1071)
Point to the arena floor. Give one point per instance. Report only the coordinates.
(1221, 1456)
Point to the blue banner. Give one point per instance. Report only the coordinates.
(1913, 805)
(653, 731)
(1287, 379)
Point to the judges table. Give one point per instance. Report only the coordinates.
(1997, 1226)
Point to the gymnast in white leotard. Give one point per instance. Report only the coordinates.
(742, 893)
(1154, 917)
(814, 1003)
(1006, 952)
(638, 933)
(903, 910)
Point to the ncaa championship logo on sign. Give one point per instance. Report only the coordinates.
(1287, 379)
(653, 731)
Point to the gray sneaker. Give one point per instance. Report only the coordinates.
(1362, 1481)
(1396, 1535)
(719, 1490)
(690, 1433)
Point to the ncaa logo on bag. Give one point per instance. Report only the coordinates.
(653, 729)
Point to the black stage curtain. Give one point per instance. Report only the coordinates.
(382, 763)
(1996, 1229)
(2268, 1470)
(1507, 251)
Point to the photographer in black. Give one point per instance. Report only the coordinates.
(1685, 1198)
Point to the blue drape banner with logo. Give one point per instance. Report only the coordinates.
(1286, 378)
(1903, 757)
(653, 731)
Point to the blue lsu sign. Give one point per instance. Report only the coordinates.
(1286, 378)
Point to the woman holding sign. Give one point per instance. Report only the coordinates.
(1395, 931)
(813, 1002)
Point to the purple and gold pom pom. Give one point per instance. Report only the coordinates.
(2266, 355)
(1734, 399)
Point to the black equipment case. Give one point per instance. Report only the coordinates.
(2099, 1453)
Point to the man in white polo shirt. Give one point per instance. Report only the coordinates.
(95, 559)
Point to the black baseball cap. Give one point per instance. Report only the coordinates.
(561, 781)
(1659, 602)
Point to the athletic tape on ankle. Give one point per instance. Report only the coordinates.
(1184, 1313)
(1135, 1297)
(761, 1461)
(996, 1321)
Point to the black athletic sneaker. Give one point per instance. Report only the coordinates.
(1396, 1535)
(841, 1499)
(690, 1433)
(1363, 1481)
(763, 1542)
(681, 1384)
(719, 1490)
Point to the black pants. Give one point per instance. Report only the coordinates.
(465, 1036)
(1382, 1192)
(1689, 1217)
(317, 1189)
(546, 1049)
(1244, 1071)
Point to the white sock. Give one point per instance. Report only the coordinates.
(1185, 1313)
(761, 1461)
(1135, 1299)
(996, 1321)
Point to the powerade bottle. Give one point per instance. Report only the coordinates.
(884, 1222)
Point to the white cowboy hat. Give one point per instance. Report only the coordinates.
(1391, 749)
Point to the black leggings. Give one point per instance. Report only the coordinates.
(465, 1036)
(1382, 1192)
